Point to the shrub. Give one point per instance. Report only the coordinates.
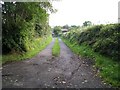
(101, 38)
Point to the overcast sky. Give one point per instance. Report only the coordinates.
(75, 12)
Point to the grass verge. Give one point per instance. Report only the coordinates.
(40, 44)
(56, 48)
(108, 67)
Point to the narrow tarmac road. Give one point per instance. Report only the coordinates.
(46, 71)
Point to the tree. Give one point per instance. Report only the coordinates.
(87, 23)
(22, 22)
(57, 30)
(65, 27)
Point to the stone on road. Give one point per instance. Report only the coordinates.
(46, 71)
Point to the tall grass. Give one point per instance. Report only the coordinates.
(56, 48)
(39, 44)
(108, 67)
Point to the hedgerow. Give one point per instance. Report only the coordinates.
(101, 38)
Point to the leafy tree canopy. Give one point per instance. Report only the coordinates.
(22, 22)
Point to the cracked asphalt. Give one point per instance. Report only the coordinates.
(45, 71)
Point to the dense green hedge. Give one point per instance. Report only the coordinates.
(22, 23)
(101, 38)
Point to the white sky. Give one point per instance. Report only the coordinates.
(75, 12)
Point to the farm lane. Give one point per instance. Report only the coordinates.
(46, 71)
